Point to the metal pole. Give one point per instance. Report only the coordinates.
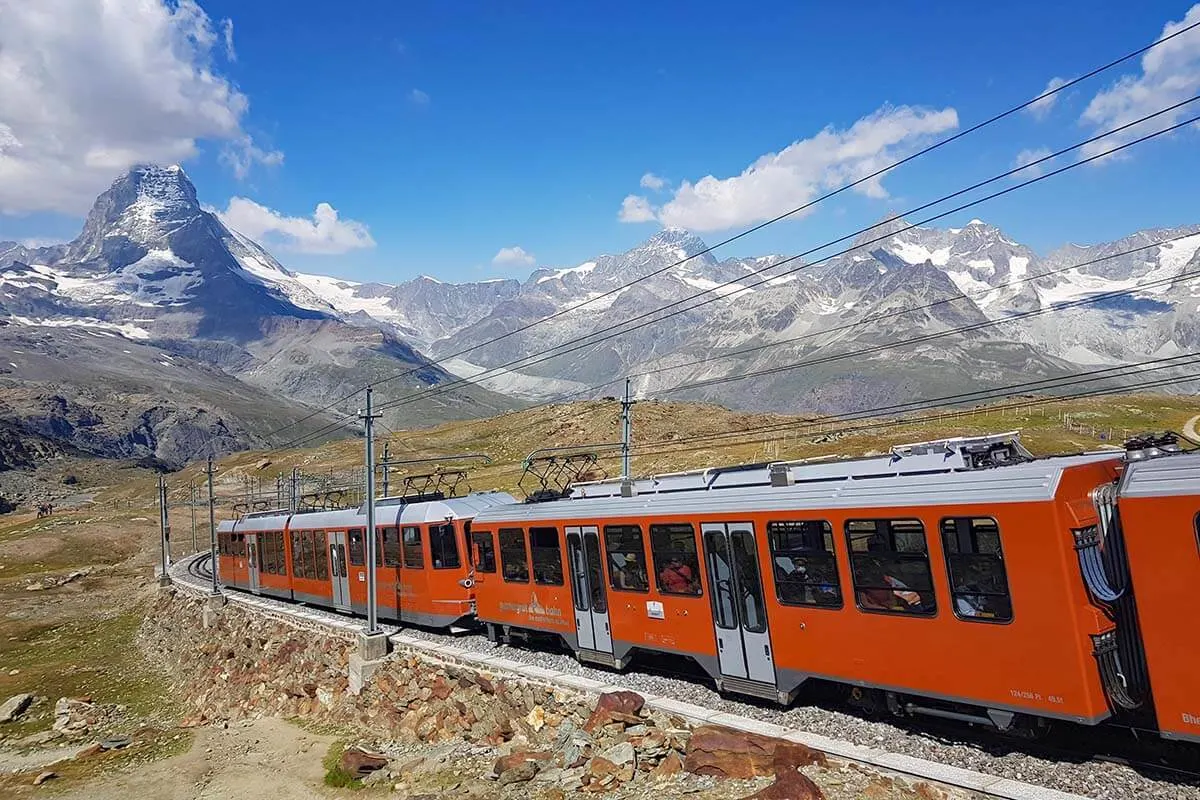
(162, 523)
(626, 431)
(369, 418)
(295, 500)
(192, 506)
(386, 468)
(212, 525)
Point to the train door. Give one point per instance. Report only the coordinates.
(739, 613)
(337, 570)
(252, 561)
(587, 585)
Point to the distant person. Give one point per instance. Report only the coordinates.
(677, 577)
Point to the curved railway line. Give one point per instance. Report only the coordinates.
(1047, 768)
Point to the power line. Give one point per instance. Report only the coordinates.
(872, 318)
(918, 420)
(941, 143)
(612, 334)
(1083, 301)
(978, 395)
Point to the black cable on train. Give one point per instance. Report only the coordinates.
(941, 143)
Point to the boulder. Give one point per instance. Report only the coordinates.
(789, 785)
(44, 776)
(727, 753)
(360, 763)
(613, 707)
(671, 764)
(513, 760)
(15, 706)
(519, 774)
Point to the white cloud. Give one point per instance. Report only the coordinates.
(418, 97)
(1028, 156)
(324, 234)
(795, 175)
(227, 34)
(1170, 74)
(652, 182)
(513, 257)
(90, 87)
(636, 209)
(1041, 108)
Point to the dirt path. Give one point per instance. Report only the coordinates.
(268, 760)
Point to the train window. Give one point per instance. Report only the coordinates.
(676, 566)
(412, 547)
(297, 538)
(804, 563)
(745, 562)
(889, 561)
(626, 558)
(357, 557)
(319, 558)
(443, 546)
(266, 545)
(975, 561)
(485, 551)
(512, 555)
(391, 547)
(546, 553)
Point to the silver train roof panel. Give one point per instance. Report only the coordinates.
(940, 456)
(227, 526)
(339, 518)
(263, 522)
(1165, 476)
(465, 507)
(1029, 482)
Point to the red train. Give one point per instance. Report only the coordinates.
(961, 578)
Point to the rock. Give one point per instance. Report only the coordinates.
(514, 760)
(376, 778)
(88, 752)
(615, 707)
(72, 715)
(621, 754)
(360, 763)
(519, 774)
(726, 753)
(789, 785)
(536, 718)
(15, 706)
(671, 764)
(43, 777)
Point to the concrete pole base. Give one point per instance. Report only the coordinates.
(372, 646)
(164, 581)
(215, 602)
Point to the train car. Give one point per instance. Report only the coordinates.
(231, 556)
(423, 570)
(1156, 531)
(940, 579)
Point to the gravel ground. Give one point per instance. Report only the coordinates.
(1100, 780)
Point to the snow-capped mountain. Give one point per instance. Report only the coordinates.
(152, 267)
(896, 283)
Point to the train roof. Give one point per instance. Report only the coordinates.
(1026, 482)
(1162, 477)
(388, 511)
(468, 506)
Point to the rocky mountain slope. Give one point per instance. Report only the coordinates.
(895, 285)
(170, 331)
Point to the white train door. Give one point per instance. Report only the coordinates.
(587, 586)
(252, 560)
(739, 613)
(338, 573)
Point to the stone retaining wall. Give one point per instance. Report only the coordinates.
(240, 666)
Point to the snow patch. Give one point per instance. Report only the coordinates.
(914, 253)
(95, 327)
(582, 269)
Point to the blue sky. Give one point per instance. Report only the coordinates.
(453, 130)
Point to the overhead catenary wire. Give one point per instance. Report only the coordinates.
(605, 336)
(792, 212)
(976, 396)
(873, 317)
(875, 424)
